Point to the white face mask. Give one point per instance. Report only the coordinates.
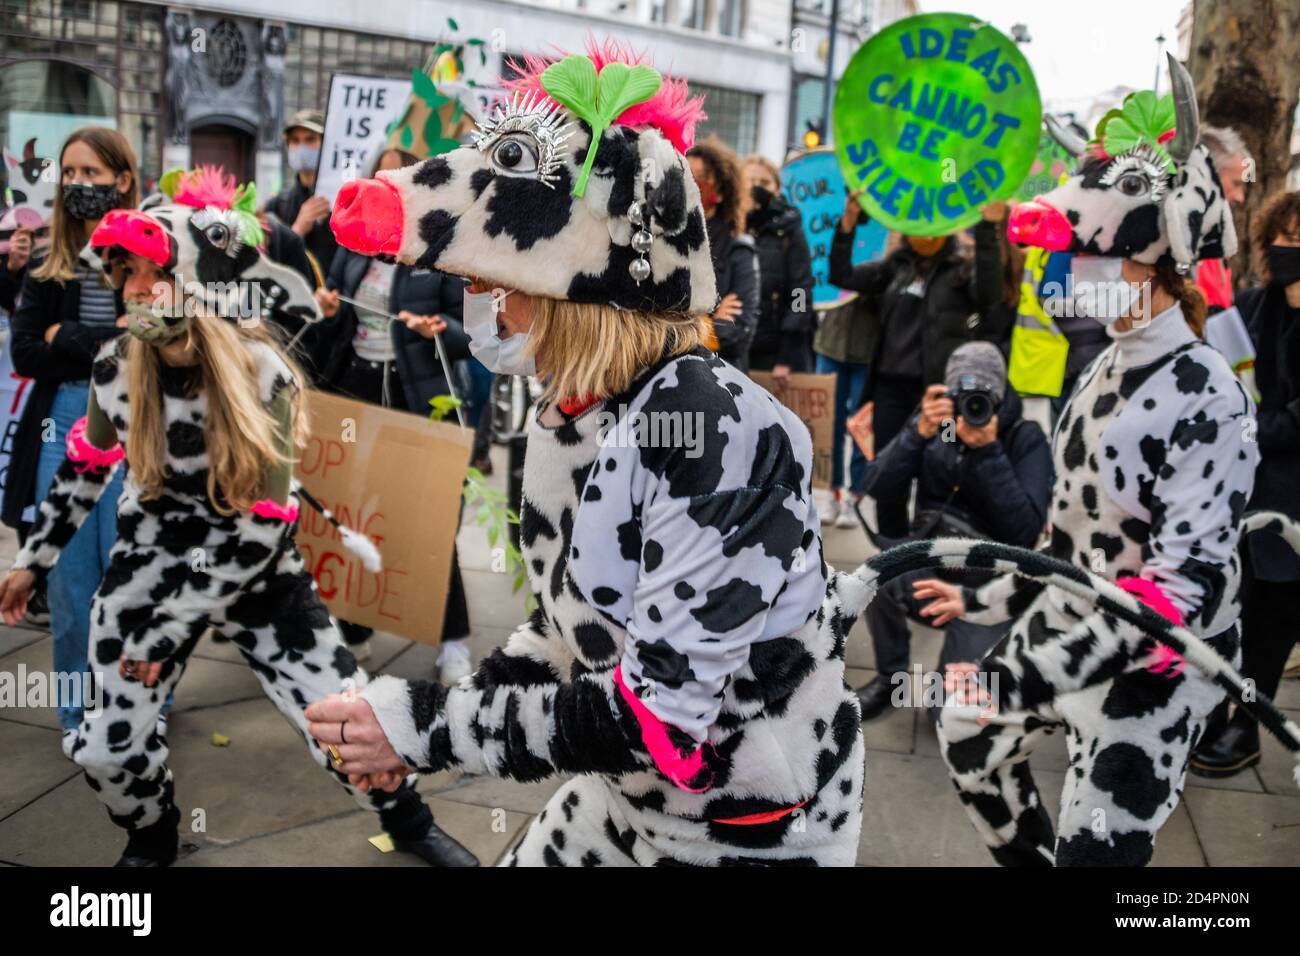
(1099, 289)
(304, 159)
(503, 356)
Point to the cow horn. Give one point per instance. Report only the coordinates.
(1186, 115)
(29, 149)
(1066, 138)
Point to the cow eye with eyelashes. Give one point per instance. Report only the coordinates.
(524, 138)
(1137, 175)
(221, 228)
(515, 155)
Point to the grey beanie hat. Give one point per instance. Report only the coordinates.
(981, 360)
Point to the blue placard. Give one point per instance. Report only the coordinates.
(812, 183)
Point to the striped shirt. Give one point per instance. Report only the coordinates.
(98, 304)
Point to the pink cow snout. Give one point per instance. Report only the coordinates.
(368, 217)
(1035, 223)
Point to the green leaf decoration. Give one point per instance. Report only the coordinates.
(452, 23)
(598, 100)
(442, 406)
(1141, 120)
(244, 204)
(169, 181)
(407, 137)
(444, 145)
(432, 129)
(422, 85)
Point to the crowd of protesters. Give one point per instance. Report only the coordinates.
(931, 317)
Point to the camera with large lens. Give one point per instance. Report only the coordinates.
(973, 401)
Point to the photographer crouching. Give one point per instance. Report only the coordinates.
(981, 471)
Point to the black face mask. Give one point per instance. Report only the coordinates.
(1283, 264)
(87, 201)
(762, 197)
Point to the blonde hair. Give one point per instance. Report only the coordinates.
(758, 159)
(597, 350)
(241, 437)
(67, 235)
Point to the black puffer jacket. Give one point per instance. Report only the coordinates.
(786, 320)
(1001, 489)
(960, 301)
(1275, 330)
(735, 266)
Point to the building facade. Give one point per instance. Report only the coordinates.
(212, 82)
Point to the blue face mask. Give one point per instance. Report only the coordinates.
(503, 356)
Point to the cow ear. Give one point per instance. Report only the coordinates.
(668, 200)
(1197, 216)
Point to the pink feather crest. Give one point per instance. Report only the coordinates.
(206, 186)
(672, 111)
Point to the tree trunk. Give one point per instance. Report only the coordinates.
(1245, 60)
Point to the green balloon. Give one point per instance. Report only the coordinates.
(935, 116)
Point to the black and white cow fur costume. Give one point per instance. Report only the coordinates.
(686, 661)
(683, 602)
(179, 568)
(1154, 464)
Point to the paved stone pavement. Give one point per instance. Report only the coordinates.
(261, 801)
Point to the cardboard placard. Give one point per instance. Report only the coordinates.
(812, 183)
(812, 398)
(396, 478)
(936, 115)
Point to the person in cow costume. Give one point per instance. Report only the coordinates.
(209, 414)
(1155, 460)
(685, 664)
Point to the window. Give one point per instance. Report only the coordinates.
(809, 99)
(731, 22)
(733, 116)
(691, 14)
(312, 54)
(79, 61)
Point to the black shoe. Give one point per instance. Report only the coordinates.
(874, 696)
(129, 859)
(437, 849)
(154, 845)
(1228, 752)
(484, 465)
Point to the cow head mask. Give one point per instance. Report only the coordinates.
(577, 189)
(1144, 187)
(209, 242)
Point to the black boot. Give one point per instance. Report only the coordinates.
(437, 848)
(874, 696)
(154, 845)
(1229, 751)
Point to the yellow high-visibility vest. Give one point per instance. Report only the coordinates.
(1038, 346)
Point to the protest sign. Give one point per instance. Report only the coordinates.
(935, 116)
(1226, 332)
(1052, 162)
(396, 478)
(14, 390)
(357, 117)
(813, 184)
(812, 398)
